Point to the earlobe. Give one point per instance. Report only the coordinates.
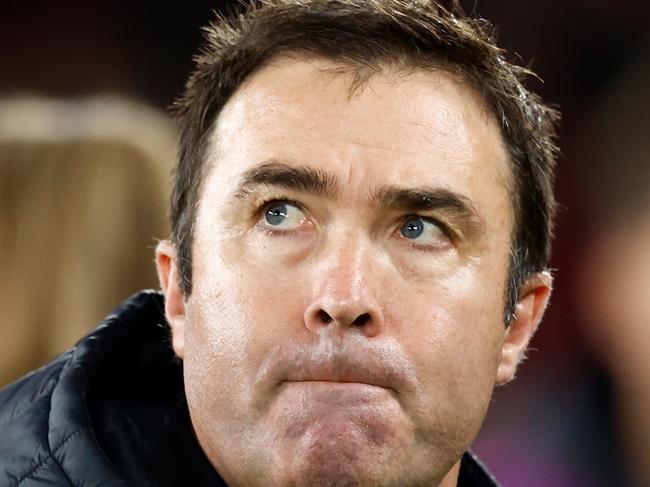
(529, 311)
(174, 299)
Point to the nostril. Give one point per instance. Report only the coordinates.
(323, 317)
(361, 319)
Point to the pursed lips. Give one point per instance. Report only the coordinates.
(336, 393)
(338, 368)
(342, 375)
(342, 383)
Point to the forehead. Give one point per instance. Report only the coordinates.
(408, 128)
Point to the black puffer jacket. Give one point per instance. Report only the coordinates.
(111, 412)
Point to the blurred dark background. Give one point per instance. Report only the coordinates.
(561, 422)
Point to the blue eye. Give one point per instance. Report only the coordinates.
(282, 215)
(422, 230)
(413, 228)
(276, 214)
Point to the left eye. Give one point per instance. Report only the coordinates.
(282, 215)
(422, 230)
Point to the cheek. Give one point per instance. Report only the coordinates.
(216, 340)
(234, 314)
(453, 335)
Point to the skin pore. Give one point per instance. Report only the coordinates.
(349, 270)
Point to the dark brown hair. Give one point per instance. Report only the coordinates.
(368, 36)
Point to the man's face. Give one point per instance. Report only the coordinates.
(350, 261)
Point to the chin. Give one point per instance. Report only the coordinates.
(340, 453)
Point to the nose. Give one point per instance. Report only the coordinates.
(344, 296)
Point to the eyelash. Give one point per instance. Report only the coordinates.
(258, 212)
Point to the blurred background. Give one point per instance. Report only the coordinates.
(85, 154)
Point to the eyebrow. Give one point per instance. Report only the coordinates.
(459, 207)
(302, 179)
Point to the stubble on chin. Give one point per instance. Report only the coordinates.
(351, 457)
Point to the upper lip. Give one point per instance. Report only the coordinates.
(342, 371)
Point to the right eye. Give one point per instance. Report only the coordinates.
(282, 215)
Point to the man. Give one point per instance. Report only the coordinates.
(361, 222)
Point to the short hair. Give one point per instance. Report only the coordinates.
(369, 36)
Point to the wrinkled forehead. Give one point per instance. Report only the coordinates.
(407, 123)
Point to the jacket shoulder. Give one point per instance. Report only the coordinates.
(46, 431)
(24, 426)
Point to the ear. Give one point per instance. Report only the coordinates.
(174, 300)
(529, 310)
